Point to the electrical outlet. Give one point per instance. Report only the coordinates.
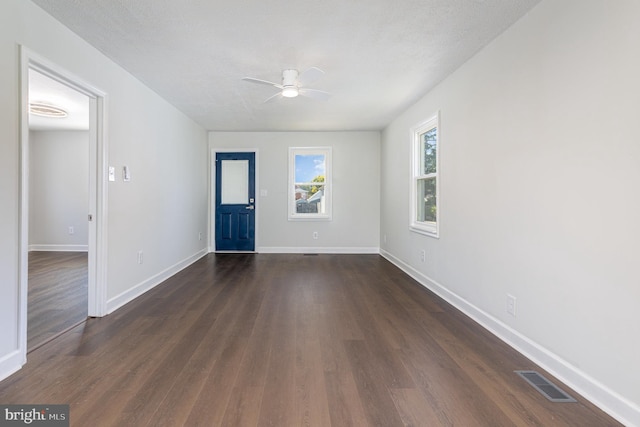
(384, 238)
(511, 305)
(200, 236)
(71, 230)
(315, 235)
(423, 255)
(139, 257)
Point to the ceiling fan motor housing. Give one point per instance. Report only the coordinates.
(289, 83)
(289, 77)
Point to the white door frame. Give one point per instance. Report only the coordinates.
(97, 217)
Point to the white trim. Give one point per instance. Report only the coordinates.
(235, 252)
(318, 250)
(23, 254)
(130, 294)
(425, 228)
(212, 193)
(11, 363)
(606, 399)
(59, 248)
(96, 247)
(327, 152)
(97, 294)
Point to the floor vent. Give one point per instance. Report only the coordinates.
(309, 254)
(546, 387)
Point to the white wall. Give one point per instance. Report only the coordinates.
(161, 211)
(355, 168)
(540, 160)
(58, 190)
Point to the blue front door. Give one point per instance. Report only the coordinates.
(235, 202)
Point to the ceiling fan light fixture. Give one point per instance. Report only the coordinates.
(290, 91)
(46, 110)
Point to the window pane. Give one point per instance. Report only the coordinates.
(426, 200)
(424, 194)
(310, 198)
(428, 147)
(310, 168)
(235, 182)
(309, 194)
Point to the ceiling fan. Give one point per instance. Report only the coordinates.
(294, 84)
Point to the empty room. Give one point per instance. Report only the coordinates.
(415, 213)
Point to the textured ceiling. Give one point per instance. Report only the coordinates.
(379, 56)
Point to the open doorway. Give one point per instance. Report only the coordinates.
(58, 205)
(63, 202)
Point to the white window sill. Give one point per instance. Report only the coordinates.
(310, 218)
(431, 231)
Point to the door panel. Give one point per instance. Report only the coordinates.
(225, 226)
(235, 202)
(244, 226)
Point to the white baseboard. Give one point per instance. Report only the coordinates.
(59, 248)
(11, 363)
(609, 401)
(118, 301)
(317, 250)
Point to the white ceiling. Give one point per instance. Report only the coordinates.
(379, 56)
(45, 90)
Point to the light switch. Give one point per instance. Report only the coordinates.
(126, 174)
(112, 173)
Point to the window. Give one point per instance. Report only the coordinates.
(424, 180)
(310, 183)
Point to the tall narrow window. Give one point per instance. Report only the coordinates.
(424, 181)
(310, 183)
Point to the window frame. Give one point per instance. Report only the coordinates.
(328, 187)
(428, 228)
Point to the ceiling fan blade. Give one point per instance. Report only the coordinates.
(262, 82)
(273, 98)
(310, 76)
(315, 94)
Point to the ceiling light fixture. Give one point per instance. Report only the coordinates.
(46, 110)
(290, 91)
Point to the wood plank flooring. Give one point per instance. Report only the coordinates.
(57, 294)
(289, 340)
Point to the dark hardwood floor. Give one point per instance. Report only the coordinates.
(57, 294)
(288, 340)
